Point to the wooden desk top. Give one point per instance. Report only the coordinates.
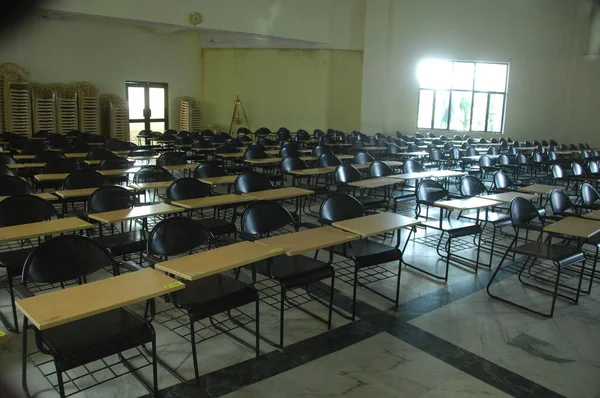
(204, 149)
(345, 157)
(375, 182)
(187, 166)
(212, 201)
(477, 157)
(75, 193)
(279, 193)
(313, 172)
(135, 213)
(224, 180)
(539, 189)
(50, 177)
(466, 204)
(211, 262)
(231, 155)
(264, 161)
(446, 173)
(67, 305)
(376, 224)
(149, 157)
(117, 172)
(43, 228)
(412, 176)
(308, 240)
(419, 153)
(24, 157)
(373, 148)
(93, 162)
(574, 226)
(75, 155)
(507, 197)
(25, 165)
(43, 195)
(151, 185)
(593, 215)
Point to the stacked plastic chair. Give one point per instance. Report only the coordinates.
(15, 99)
(190, 115)
(43, 107)
(66, 108)
(115, 117)
(88, 102)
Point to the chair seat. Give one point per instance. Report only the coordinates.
(213, 295)
(366, 252)
(14, 260)
(498, 219)
(560, 254)
(456, 228)
(295, 271)
(218, 226)
(89, 339)
(125, 242)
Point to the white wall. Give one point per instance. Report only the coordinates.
(535, 36)
(107, 55)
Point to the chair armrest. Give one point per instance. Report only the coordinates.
(22, 292)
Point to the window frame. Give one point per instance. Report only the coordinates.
(473, 93)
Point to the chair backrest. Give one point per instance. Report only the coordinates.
(290, 163)
(593, 167)
(380, 169)
(393, 149)
(472, 186)
(263, 217)
(100, 154)
(117, 163)
(512, 151)
(302, 135)
(208, 170)
(5, 171)
(266, 142)
(176, 235)
(577, 169)
(48, 156)
(340, 206)
(80, 147)
(110, 198)
(25, 209)
(328, 160)
(429, 191)
(346, 173)
(522, 212)
(201, 143)
(493, 151)
(84, 178)
(413, 166)
(521, 158)
(560, 202)
(436, 155)
(471, 151)
(251, 181)
(557, 171)
(326, 140)
(187, 188)
(589, 194)
(320, 150)
(503, 160)
(363, 158)
(6, 158)
(501, 180)
(289, 151)
(152, 174)
(454, 154)
(255, 153)
(34, 147)
(64, 258)
(11, 185)
(172, 158)
(486, 161)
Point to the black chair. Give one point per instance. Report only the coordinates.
(562, 205)
(152, 173)
(48, 156)
(436, 159)
(320, 150)
(84, 178)
(590, 198)
(365, 253)
(263, 218)
(522, 215)
(251, 181)
(171, 158)
(191, 188)
(208, 170)
(17, 210)
(346, 174)
(116, 163)
(6, 158)
(74, 257)
(428, 192)
(328, 160)
(11, 185)
(34, 147)
(5, 171)
(290, 152)
(123, 241)
(100, 154)
(413, 166)
(363, 158)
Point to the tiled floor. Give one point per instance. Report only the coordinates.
(445, 340)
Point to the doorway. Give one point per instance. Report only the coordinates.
(148, 107)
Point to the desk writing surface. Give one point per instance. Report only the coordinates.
(374, 182)
(42, 228)
(211, 262)
(204, 149)
(574, 226)
(446, 173)
(507, 197)
(43, 195)
(539, 189)
(376, 224)
(25, 165)
(58, 307)
(593, 215)
(212, 201)
(280, 193)
(74, 193)
(418, 153)
(264, 161)
(308, 240)
(412, 176)
(116, 172)
(148, 157)
(230, 155)
(75, 155)
(24, 157)
(135, 213)
(50, 177)
(466, 204)
(223, 180)
(345, 157)
(151, 185)
(313, 171)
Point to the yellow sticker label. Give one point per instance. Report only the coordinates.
(276, 250)
(172, 285)
(354, 236)
(2, 334)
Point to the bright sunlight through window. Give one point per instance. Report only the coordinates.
(462, 96)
